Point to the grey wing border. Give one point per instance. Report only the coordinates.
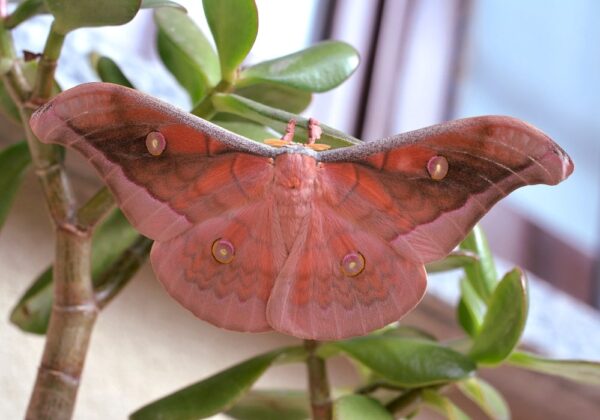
(362, 151)
(233, 140)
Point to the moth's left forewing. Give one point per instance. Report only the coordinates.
(165, 193)
(487, 158)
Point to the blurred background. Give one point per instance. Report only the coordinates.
(423, 62)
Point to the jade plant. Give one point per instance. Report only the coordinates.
(402, 368)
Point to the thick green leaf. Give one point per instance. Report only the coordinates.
(248, 129)
(407, 331)
(70, 15)
(277, 96)
(277, 119)
(214, 394)
(7, 107)
(465, 318)
(583, 371)
(108, 70)
(271, 405)
(482, 276)
(32, 312)
(359, 407)
(406, 362)
(234, 25)
(110, 240)
(155, 4)
(473, 305)
(486, 397)
(14, 161)
(456, 259)
(24, 11)
(319, 68)
(186, 52)
(111, 281)
(443, 405)
(504, 320)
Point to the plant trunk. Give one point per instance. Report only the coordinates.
(71, 323)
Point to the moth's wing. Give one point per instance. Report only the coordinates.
(204, 170)
(384, 186)
(314, 299)
(208, 183)
(232, 295)
(378, 199)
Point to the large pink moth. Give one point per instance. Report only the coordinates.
(316, 244)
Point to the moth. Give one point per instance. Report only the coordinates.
(316, 244)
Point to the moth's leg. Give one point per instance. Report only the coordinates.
(289, 131)
(314, 134)
(314, 130)
(287, 138)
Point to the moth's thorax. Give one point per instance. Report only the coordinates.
(293, 189)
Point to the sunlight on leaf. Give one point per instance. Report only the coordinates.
(318, 68)
(403, 361)
(271, 405)
(443, 405)
(576, 370)
(486, 397)
(277, 96)
(359, 407)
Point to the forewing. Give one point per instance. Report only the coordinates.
(314, 299)
(231, 295)
(385, 188)
(204, 170)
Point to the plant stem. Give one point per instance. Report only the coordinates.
(96, 208)
(73, 315)
(403, 404)
(407, 402)
(74, 311)
(42, 90)
(320, 400)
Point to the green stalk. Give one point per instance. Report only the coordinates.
(205, 108)
(42, 90)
